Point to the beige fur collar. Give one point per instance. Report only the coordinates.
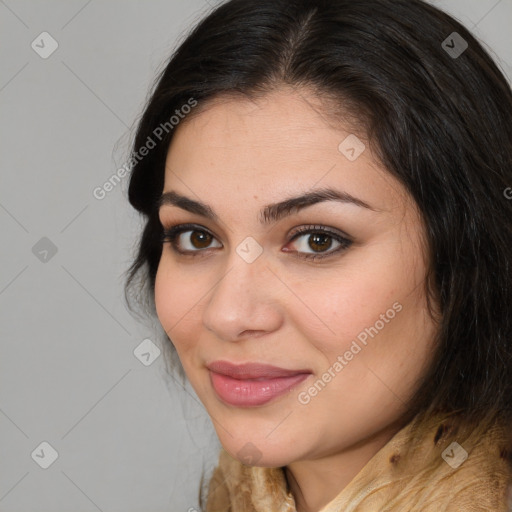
(427, 475)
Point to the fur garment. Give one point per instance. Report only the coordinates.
(420, 469)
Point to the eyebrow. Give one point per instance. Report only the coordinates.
(271, 212)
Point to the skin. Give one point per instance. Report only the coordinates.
(238, 156)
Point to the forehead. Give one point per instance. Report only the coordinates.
(285, 119)
(281, 142)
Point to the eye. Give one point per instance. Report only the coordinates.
(319, 240)
(192, 240)
(188, 238)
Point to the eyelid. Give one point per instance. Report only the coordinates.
(314, 228)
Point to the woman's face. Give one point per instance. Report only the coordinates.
(351, 325)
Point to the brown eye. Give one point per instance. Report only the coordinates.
(311, 243)
(188, 239)
(200, 239)
(314, 242)
(319, 242)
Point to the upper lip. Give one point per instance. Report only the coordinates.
(252, 370)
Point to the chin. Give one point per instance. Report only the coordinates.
(258, 451)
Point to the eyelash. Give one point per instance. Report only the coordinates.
(171, 234)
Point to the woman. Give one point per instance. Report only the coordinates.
(327, 250)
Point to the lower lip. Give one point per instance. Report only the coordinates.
(252, 392)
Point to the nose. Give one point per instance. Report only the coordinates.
(245, 301)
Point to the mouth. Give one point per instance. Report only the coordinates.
(252, 384)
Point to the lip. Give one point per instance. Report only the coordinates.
(252, 384)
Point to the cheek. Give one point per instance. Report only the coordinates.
(175, 297)
(376, 314)
(371, 364)
(339, 307)
(165, 298)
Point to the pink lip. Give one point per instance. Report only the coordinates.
(252, 384)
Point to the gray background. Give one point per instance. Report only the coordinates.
(128, 437)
